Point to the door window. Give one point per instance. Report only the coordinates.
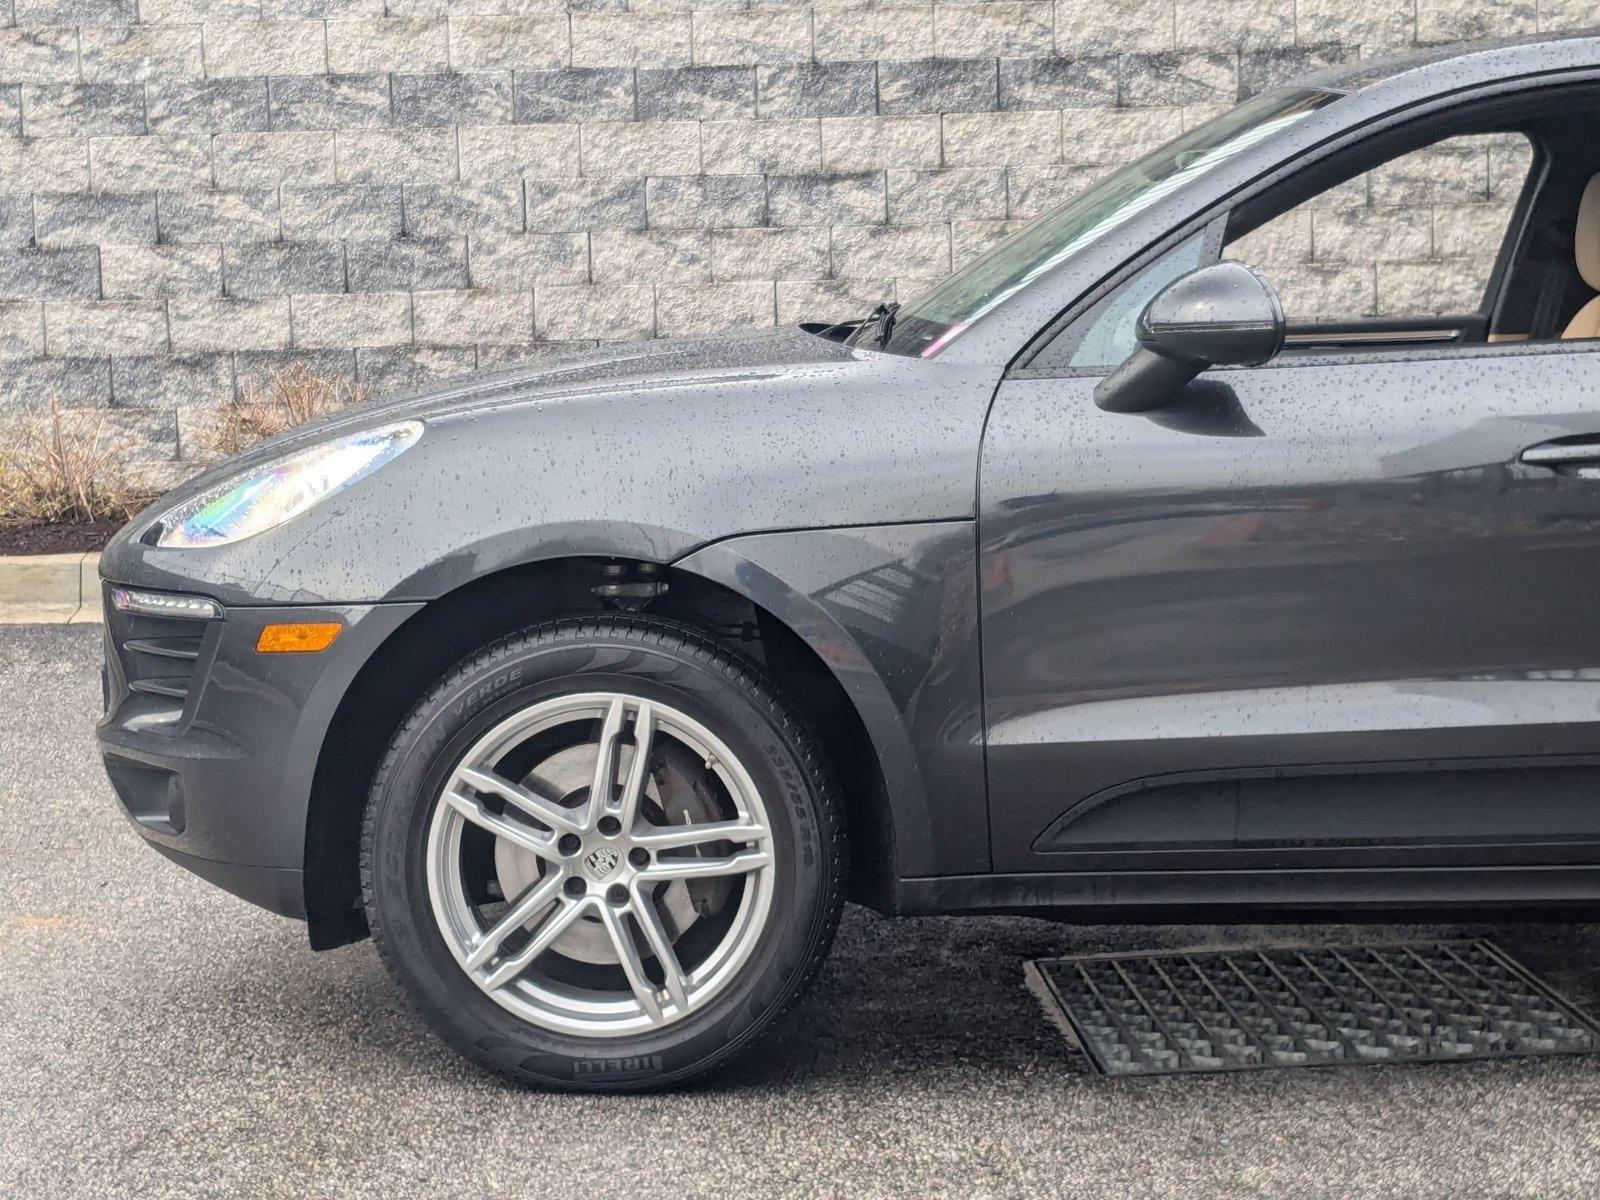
(1417, 237)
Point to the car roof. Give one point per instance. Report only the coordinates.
(1467, 63)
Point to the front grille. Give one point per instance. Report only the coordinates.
(157, 659)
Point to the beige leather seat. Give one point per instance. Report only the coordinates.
(1586, 243)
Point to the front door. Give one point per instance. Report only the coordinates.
(1319, 613)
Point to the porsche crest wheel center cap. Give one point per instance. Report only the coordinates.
(600, 862)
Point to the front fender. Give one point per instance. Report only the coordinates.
(891, 611)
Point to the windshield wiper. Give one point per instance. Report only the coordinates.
(883, 316)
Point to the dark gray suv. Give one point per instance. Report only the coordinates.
(1089, 584)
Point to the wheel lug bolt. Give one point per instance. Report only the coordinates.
(639, 856)
(575, 886)
(569, 844)
(610, 826)
(617, 894)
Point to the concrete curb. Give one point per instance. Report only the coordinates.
(50, 589)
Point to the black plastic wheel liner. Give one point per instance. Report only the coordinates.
(1166, 1013)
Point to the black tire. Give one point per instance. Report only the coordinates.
(654, 658)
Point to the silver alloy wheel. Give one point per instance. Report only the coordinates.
(588, 868)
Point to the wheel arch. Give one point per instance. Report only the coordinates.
(452, 626)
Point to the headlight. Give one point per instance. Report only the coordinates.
(271, 494)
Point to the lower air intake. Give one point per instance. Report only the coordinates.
(1158, 1014)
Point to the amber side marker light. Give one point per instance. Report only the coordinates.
(308, 638)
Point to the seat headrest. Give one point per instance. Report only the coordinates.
(1586, 238)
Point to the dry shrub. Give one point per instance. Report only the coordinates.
(60, 471)
(290, 397)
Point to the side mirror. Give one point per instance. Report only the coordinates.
(1224, 315)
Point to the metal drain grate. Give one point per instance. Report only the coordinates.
(1156, 1014)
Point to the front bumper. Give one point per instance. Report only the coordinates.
(212, 747)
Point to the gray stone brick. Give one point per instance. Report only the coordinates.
(137, 53)
(1114, 26)
(393, 370)
(830, 299)
(873, 143)
(924, 197)
(411, 44)
(11, 110)
(1373, 25)
(1354, 235)
(82, 109)
(576, 94)
(500, 358)
(1112, 136)
(501, 153)
(454, 209)
(331, 10)
(16, 220)
(827, 199)
(760, 35)
(161, 160)
(646, 255)
(768, 254)
(510, 261)
(481, 98)
(39, 55)
(1455, 21)
(628, 39)
(162, 380)
(341, 322)
(69, 382)
(633, 147)
(50, 274)
(343, 210)
(94, 218)
(43, 164)
(937, 85)
(74, 12)
(212, 106)
(165, 12)
(994, 139)
(329, 101)
(1263, 70)
(863, 33)
(683, 309)
(83, 328)
(507, 41)
(876, 251)
(761, 147)
(246, 49)
(697, 93)
(1058, 82)
(607, 312)
(300, 158)
(1006, 28)
(705, 201)
(21, 330)
(255, 368)
(1236, 24)
(1180, 78)
(254, 270)
(408, 264)
(842, 89)
(397, 156)
(560, 205)
(474, 316)
(250, 215)
(160, 272)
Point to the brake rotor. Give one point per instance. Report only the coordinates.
(675, 793)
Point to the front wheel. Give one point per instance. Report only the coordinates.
(603, 853)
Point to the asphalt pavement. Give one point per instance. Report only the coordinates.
(160, 1038)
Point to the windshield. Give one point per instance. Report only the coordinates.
(932, 321)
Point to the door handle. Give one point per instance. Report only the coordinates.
(1563, 454)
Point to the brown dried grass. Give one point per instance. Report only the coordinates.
(61, 471)
(288, 398)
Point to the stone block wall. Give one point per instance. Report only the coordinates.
(194, 193)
